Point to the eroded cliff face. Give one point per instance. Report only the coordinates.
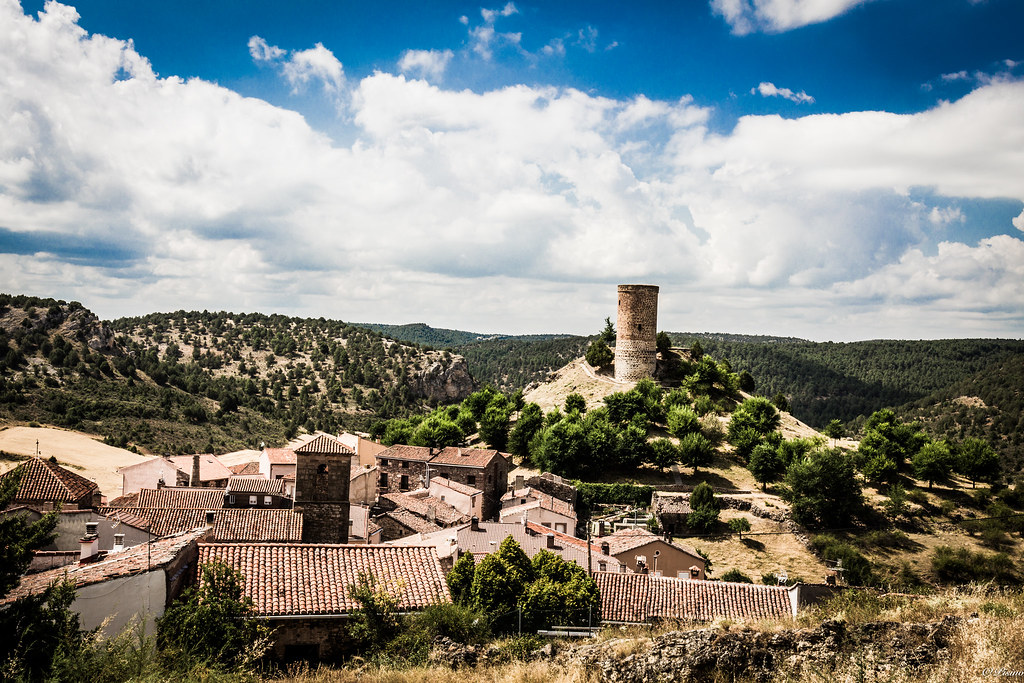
(444, 381)
(70, 321)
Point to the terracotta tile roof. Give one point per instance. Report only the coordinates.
(134, 560)
(639, 597)
(125, 516)
(456, 486)
(280, 456)
(257, 525)
(255, 484)
(164, 521)
(412, 521)
(400, 452)
(546, 501)
(468, 457)
(46, 481)
(324, 444)
(292, 579)
(128, 500)
(564, 538)
(625, 540)
(210, 468)
(246, 468)
(182, 497)
(444, 513)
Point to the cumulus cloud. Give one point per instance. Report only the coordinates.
(505, 203)
(301, 67)
(429, 64)
(777, 16)
(1018, 221)
(484, 38)
(769, 90)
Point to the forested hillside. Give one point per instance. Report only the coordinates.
(201, 381)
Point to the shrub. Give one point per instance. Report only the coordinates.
(704, 405)
(739, 525)
(736, 576)
(960, 565)
(856, 568)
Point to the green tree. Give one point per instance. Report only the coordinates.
(696, 350)
(214, 621)
(682, 421)
(608, 333)
(663, 343)
(746, 382)
(375, 622)
(834, 430)
(704, 508)
(599, 355)
(933, 462)
(437, 432)
(736, 576)
(575, 402)
(696, 450)
(766, 465)
(977, 460)
(529, 422)
(823, 489)
(664, 453)
(460, 579)
(19, 538)
(880, 470)
(501, 578)
(739, 525)
(39, 630)
(494, 424)
(758, 414)
(561, 593)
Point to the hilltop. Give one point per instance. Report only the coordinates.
(213, 382)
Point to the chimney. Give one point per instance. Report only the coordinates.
(160, 483)
(474, 524)
(195, 471)
(118, 543)
(600, 529)
(520, 482)
(210, 515)
(605, 548)
(89, 545)
(551, 540)
(431, 513)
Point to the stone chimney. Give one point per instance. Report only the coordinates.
(551, 541)
(474, 524)
(520, 482)
(160, 483)
(431, 514)
(195, 471)
(605, 548)
(89, 545)
(600, 529)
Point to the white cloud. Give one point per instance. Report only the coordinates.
(261, 51)
(429, 64)
(140, 193)
(777, 16)
(315, 64)
(1018, 221)
(484, 38)
(490, 15)
(586, 38)
(769, 90)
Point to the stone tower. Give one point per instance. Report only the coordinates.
(322, 473)
(636, 347)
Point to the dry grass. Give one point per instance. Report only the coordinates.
(515, 672)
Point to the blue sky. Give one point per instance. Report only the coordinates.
(829, 169)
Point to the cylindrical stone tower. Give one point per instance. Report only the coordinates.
(636, 347)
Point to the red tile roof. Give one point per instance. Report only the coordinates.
(625, 540)
(43, 480)
(564, 538)
(411, 521)
(128, 500)
(246, 468)
(456, 486)
(210, 468)
(468, 457)
(182, 497)
(280, 456)
(134, 560)
(257, 525)
(546, 500)
(400, 452)
(255, 484)
(291, 579)
(324, 444)
(444, 513)
(164, 521)
(639, 597)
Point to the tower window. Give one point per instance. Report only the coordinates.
(321, 468)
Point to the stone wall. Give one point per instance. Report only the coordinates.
(636, 350)
(312, 640)
(321, 495)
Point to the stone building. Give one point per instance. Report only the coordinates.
(406, 468)
(322, 470)
(636, 348)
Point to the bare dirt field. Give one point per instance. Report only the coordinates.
(84, 454)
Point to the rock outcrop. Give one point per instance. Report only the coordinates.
(443, 381)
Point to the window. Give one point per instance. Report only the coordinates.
(559, 526)
(267, 500)
(252, 500)
(602, 566)
(471, 480)
(681, 574)
(383, 480)
(404, 483)
(321, 468)
(231, 499)
(405, 464)
(383, 462)
(278, 476)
